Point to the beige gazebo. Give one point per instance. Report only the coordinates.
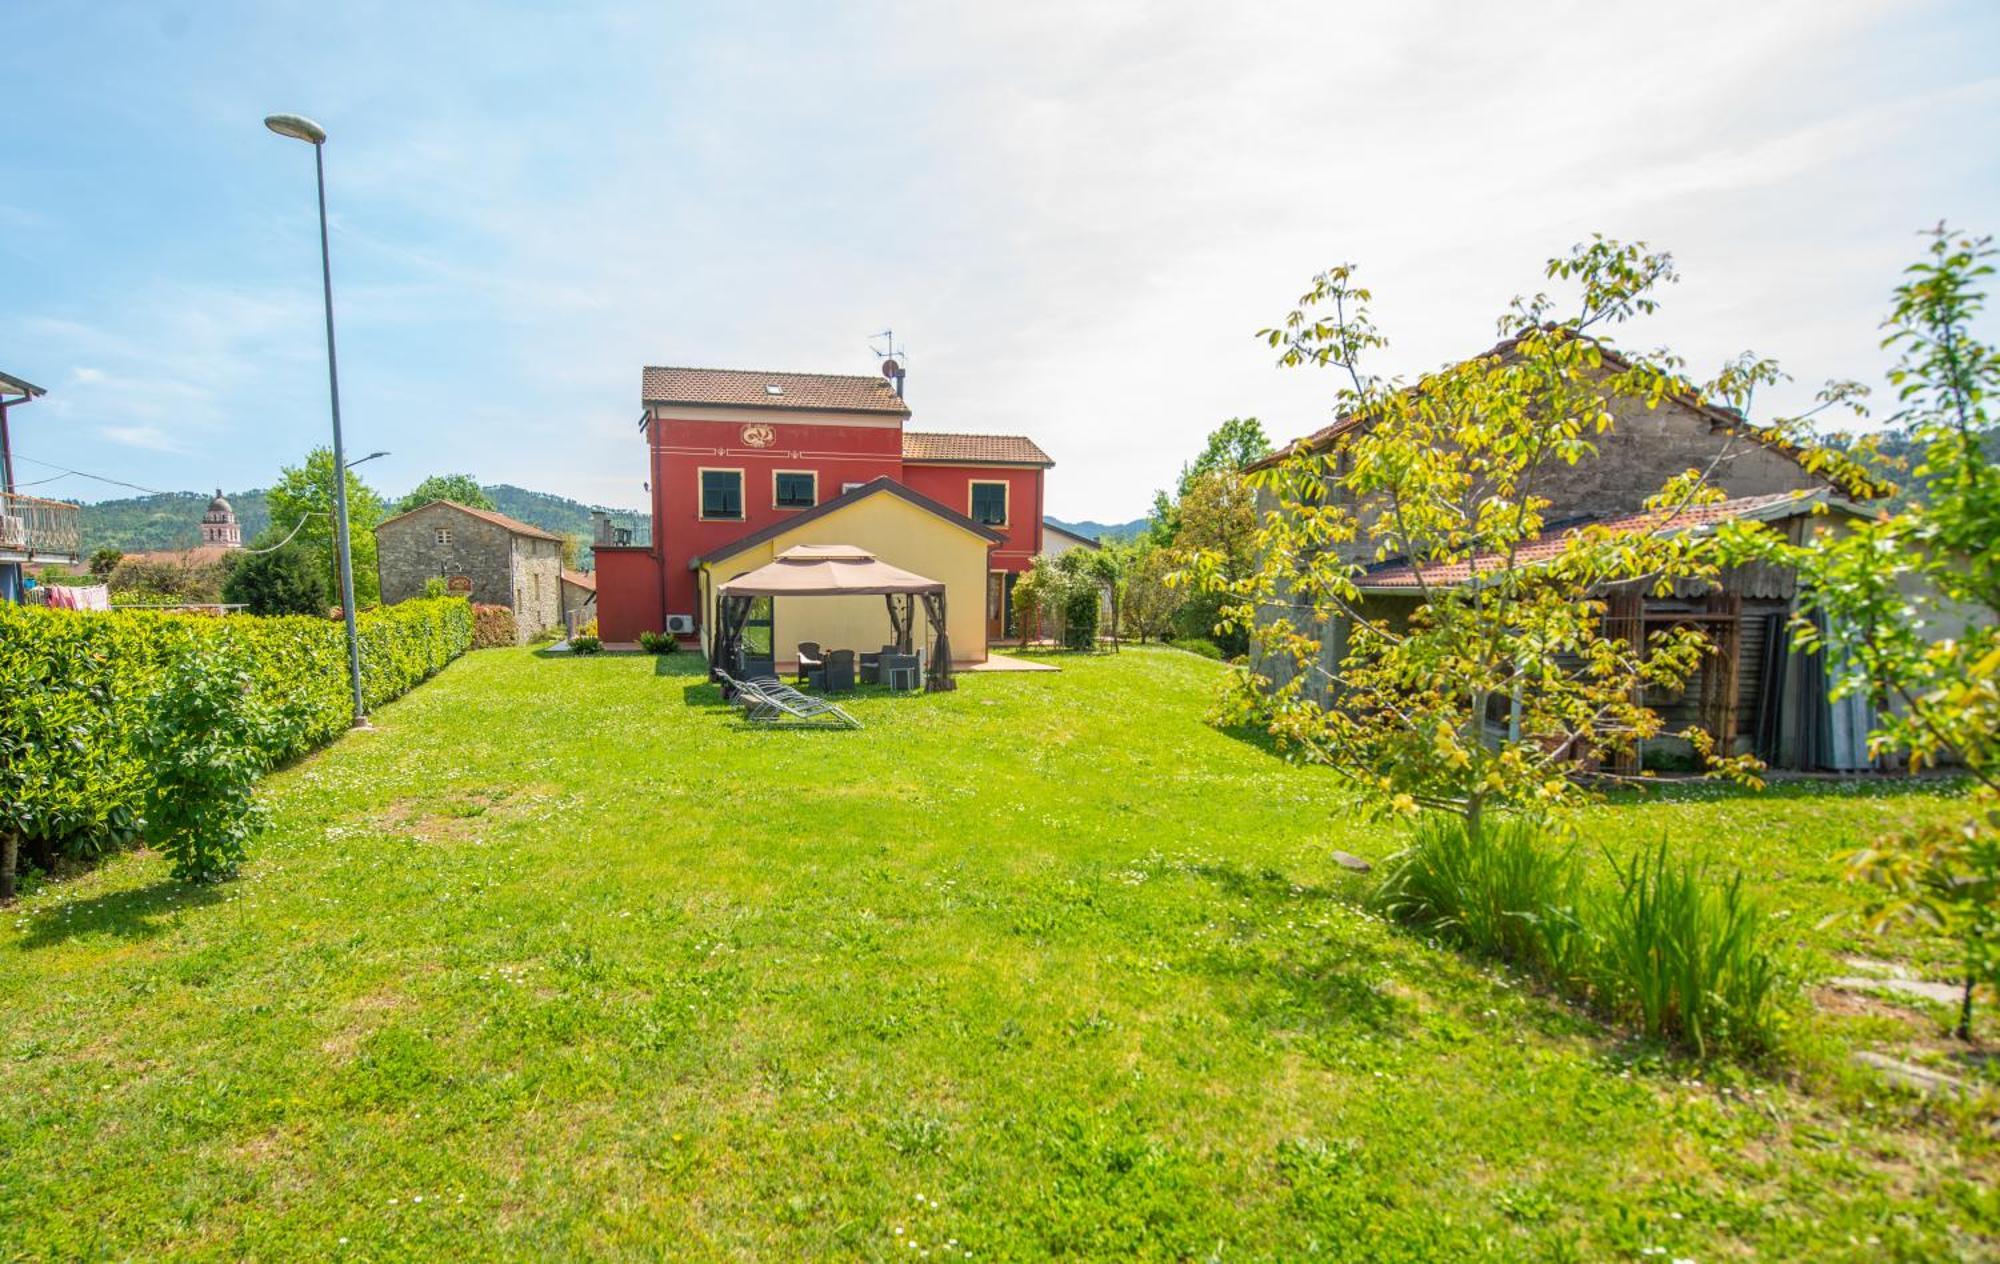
(837, 570)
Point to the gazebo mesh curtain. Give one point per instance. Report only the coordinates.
(735, 612)
(940, 667)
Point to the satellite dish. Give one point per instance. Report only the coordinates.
(890, 369)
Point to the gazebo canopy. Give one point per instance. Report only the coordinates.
(836, 570)
(827, 570)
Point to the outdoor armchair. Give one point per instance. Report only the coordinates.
(809, 659)
(838, 674)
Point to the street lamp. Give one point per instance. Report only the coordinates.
(359, 459)
(300, 128)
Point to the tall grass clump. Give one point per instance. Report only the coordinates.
(1502, 893)
(1688, 959)
(1667, 948)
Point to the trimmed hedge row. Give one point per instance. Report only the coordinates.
(78, 688)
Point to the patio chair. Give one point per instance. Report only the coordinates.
(838, 674)
(902, 671)
(809, 660)
(870, 670)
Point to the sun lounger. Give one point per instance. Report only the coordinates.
(769, 700)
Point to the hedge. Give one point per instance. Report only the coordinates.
(77, 688)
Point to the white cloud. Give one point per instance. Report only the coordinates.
(152, 438)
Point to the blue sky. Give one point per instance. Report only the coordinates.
(1074, 216)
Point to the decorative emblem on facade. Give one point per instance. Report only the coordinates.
(759, 436)
(458, 584)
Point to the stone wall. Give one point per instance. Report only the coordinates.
(537, 585)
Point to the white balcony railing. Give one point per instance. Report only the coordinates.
(38, 530)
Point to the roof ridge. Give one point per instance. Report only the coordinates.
(703, 368)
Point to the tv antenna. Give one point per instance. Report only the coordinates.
(895, 360)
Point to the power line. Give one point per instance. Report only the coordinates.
(117, 482)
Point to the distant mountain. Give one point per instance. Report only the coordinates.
(1112, 531)
(172, 520)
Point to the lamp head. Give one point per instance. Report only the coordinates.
(296, 126)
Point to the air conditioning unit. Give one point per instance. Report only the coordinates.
(680, 624)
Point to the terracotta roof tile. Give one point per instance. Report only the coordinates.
(1719, 418)
(1402, 575)
(751, 388)
(582, 579)
(493, 516)
(973, 448)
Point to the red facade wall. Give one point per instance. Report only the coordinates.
(638, 587)
(681, 449)
(951, 486)
(628, 593)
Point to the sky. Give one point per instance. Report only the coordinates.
(1074, 216)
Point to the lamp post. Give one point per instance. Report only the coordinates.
(300, 128)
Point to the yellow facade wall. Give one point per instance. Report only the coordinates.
(896, 532)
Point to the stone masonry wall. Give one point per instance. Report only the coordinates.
(537, 585)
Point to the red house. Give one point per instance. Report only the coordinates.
(736, 453)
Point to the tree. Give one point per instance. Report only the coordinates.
(1080, 599)
(1909, 607)
(180, 579)
(1106, 565)
(284, 581)
(461, 489)
(1445, 473)
(104, 561)
(1150, 601)
(1233, 447)
(1035, 592)
(1218, 517)
(574, 545)
(303, 499)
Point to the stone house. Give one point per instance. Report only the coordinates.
(579, 598)
(493, 559)
(1754, 694)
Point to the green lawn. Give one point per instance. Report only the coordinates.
(565, 961)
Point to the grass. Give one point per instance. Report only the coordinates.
(564, 961)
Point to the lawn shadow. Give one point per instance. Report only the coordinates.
(1786, 787)
(140, 913)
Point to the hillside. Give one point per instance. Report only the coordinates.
(1110, 531)
(554, 513)
(172, 520)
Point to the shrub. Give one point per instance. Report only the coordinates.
(659, 642)
(1080, 607)
(1505, 894)
(585, 645)
(84, 696)
(493, 626)
(1688, 960)
(1679, 956)
(204, 744)
(284, 581)
(1197, 645)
